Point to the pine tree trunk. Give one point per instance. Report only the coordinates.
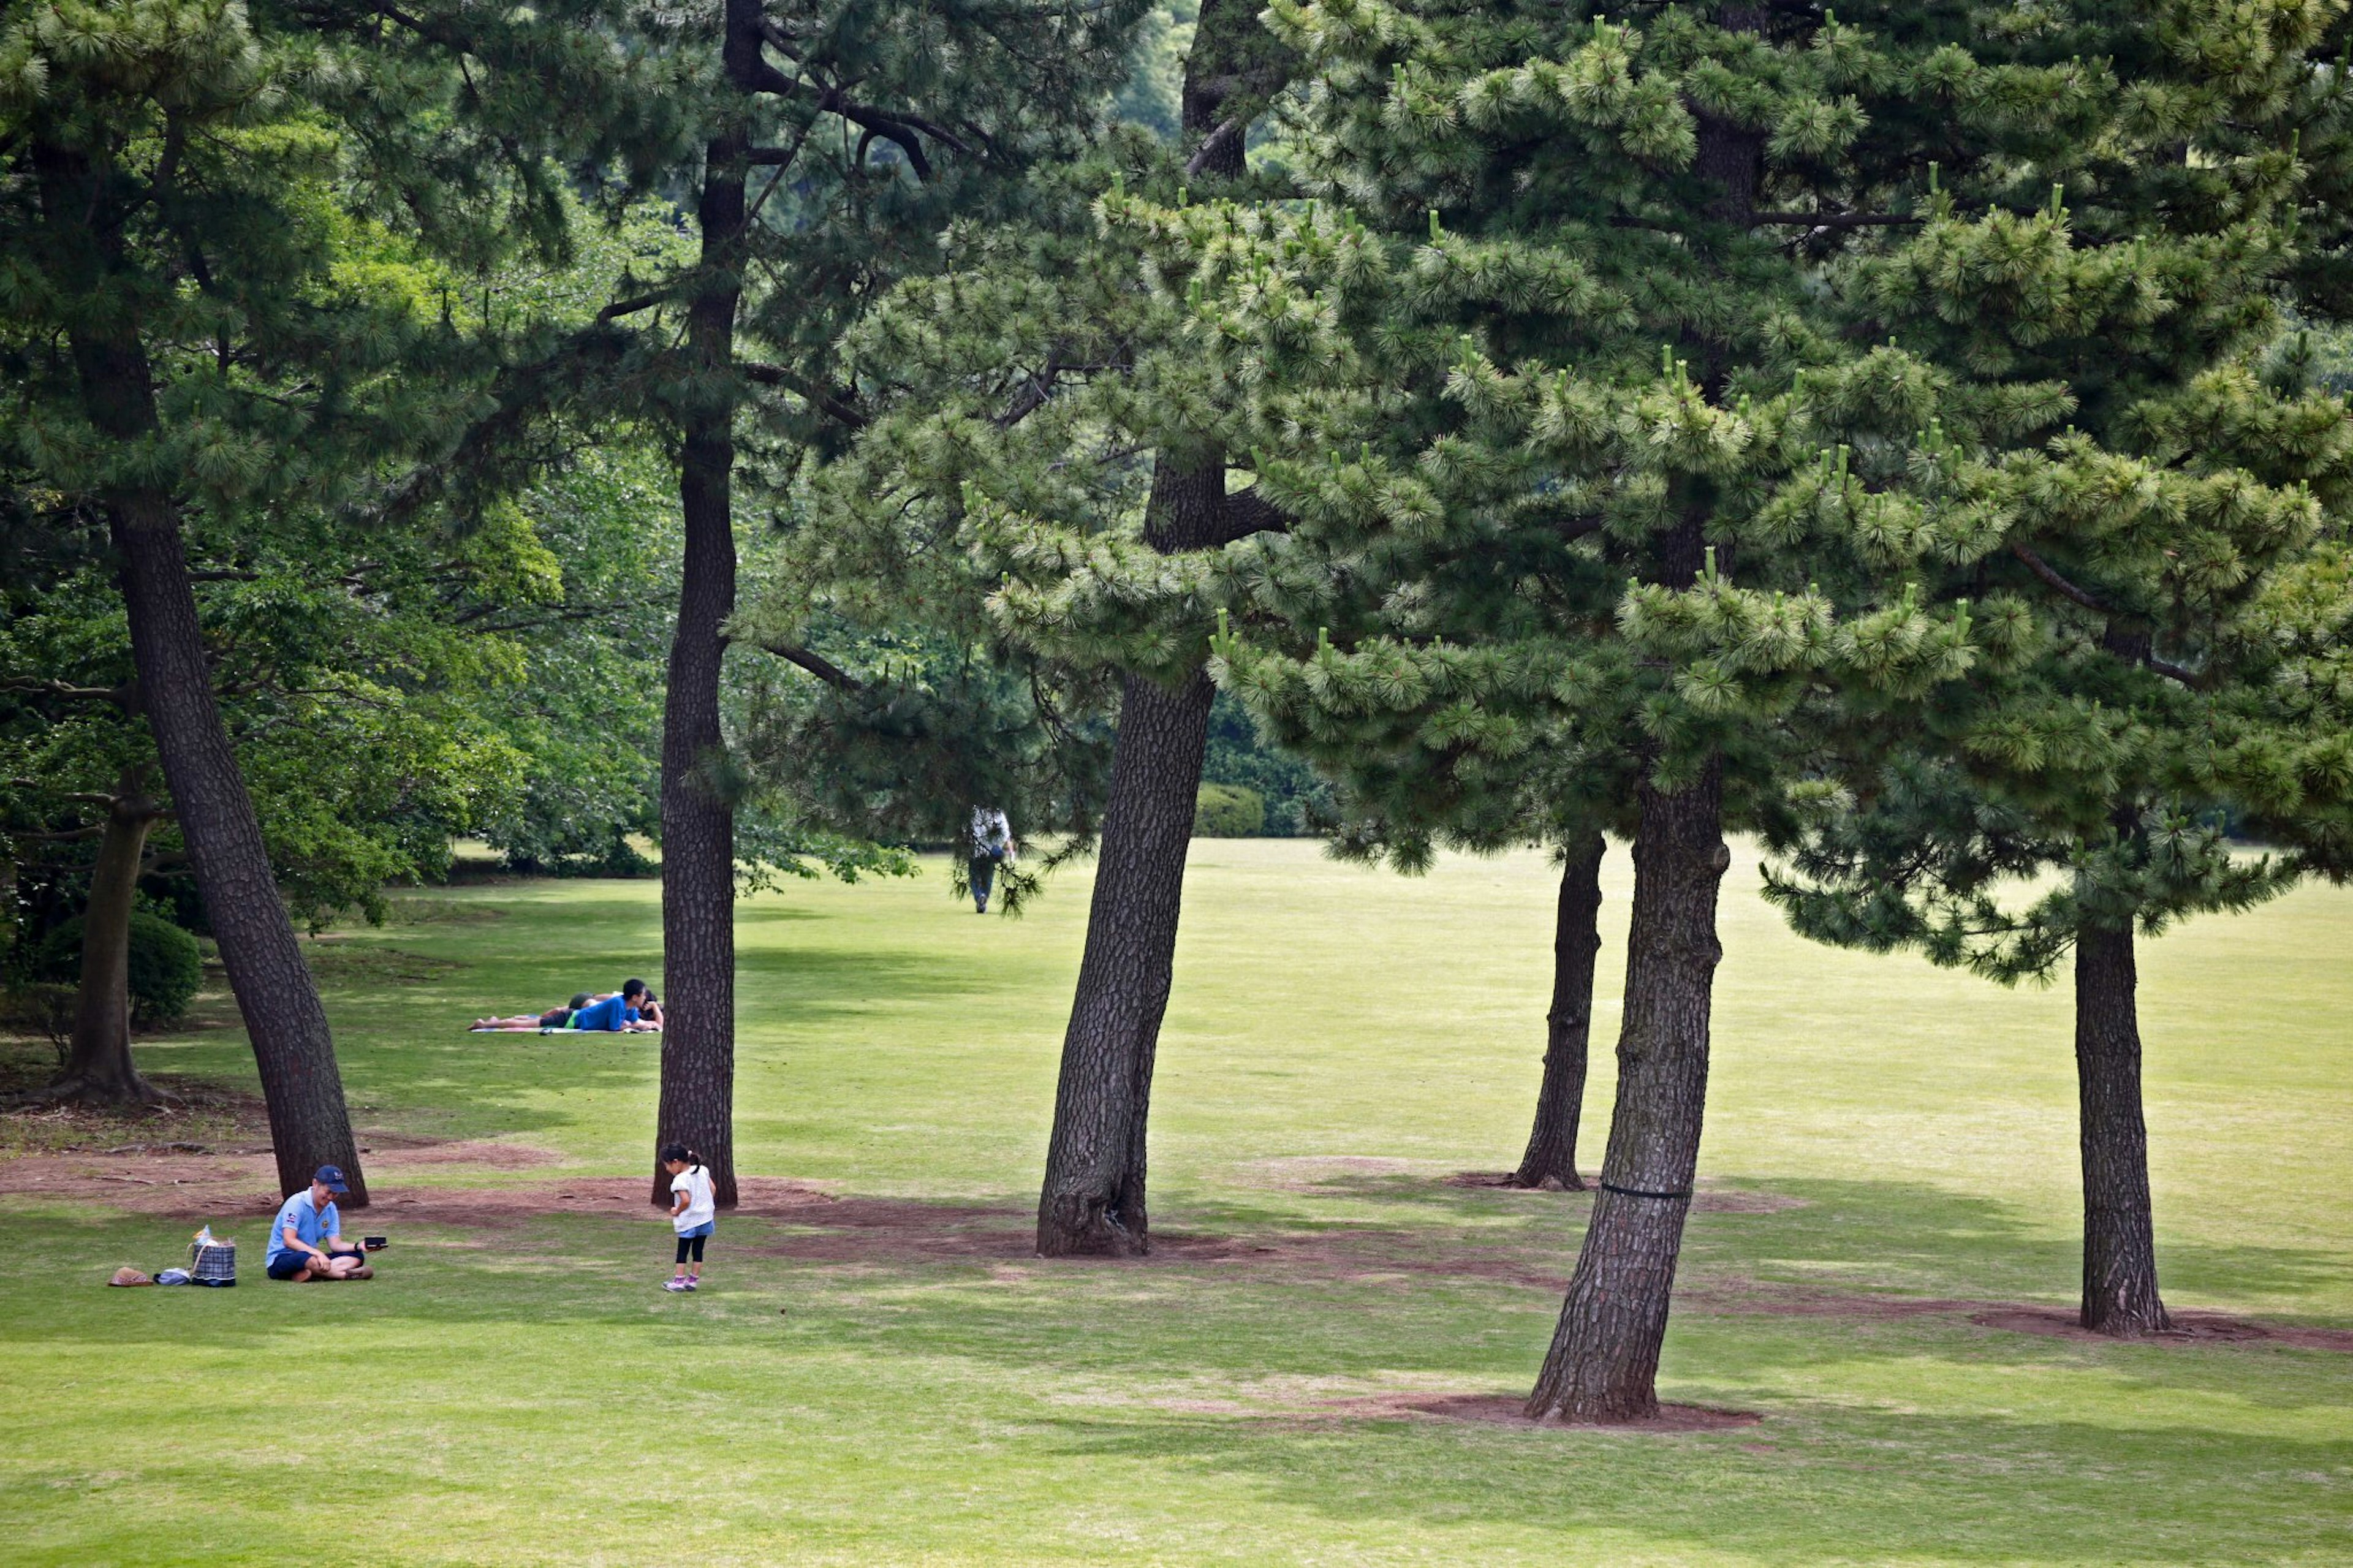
(1551, 1153)
(1092, 1203)
(698, 1054)
(310, 1124)
(1604, 1360)
(99, 1069)
(2119, 1233)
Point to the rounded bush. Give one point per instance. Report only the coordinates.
(1229, 811)
(165, 966)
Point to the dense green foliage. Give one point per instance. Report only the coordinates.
(1227, 811)
(166, 966)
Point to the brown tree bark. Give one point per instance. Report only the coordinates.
(1092, 1200)
(310, 1124)
(2120, 1293)
(1551, 1153)
(698, 1054)
(99, 1069)
(1604, 1360)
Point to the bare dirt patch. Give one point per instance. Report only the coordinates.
(473, 1152)
(631, 1197)
(2189, 1328)
(1746, 1299)
(1322, 1173)
(1510, 1410)
(192, 1181)
(1708, 1200)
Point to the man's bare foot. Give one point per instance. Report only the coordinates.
(361, 1272)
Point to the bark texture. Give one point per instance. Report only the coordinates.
(1092, 1200)
(2119, 1236)
(1551, 1153)
(1604, 1360)
(310, 1124)
(698, 1054)
(99, 1069)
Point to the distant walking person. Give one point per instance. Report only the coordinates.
(992, 844)
(693, 1214)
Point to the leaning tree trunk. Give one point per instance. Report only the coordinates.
(1551, 1154)
(99, 1069)
(1604, 1360)
(698, 1054)
(1092, 1202)
(309, 1125)
(2119, 1233)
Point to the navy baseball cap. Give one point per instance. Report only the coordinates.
(330, 1177)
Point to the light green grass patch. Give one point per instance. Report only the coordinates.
(518, 1390)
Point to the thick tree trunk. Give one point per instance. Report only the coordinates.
(1604, 1360)
(2119, 1235)
(1092, 1203)
(310, 1124)
(98, 1068)
(698, 1055)
(1551, 1154)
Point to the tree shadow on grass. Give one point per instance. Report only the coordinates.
(1816, 1482)
(1901, 1237)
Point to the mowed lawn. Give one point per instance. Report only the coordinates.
(892, 1378)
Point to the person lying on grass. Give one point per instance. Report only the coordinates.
(626, 1011)
(307, 1242)
(554, 1018)
(621, 1013)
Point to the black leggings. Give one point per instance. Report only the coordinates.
(693, 1243)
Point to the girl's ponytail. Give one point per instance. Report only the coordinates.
(680, 1154)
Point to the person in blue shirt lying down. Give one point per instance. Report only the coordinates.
(632, 1009)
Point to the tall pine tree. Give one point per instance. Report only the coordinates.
(195, 321)
(1634, 333)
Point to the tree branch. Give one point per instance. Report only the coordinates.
(1247, 512)
(2043, 569)
(1837, 220)
(816, 664)
(1036, 388)
(125, 695)
(631, 306)
(838, 404)
(1213, 145)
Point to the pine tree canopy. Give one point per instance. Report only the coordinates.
(1755, 382)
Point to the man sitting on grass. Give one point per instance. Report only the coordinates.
(307, 1242)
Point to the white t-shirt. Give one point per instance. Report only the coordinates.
(990, 831)
(695, 1182)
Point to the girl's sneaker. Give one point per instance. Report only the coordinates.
(693, 1283)
(676, 1284)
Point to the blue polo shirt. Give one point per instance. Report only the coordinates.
(609, 1015)
(313, 1225)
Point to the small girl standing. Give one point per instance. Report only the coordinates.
(692, 1213)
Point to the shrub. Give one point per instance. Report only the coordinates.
(166, 967)
(1229, 811)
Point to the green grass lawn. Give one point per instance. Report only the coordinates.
(892, 1379)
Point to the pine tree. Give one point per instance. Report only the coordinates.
(1691, 375)
(1047, 430)
(187, 185)
(831, 146)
